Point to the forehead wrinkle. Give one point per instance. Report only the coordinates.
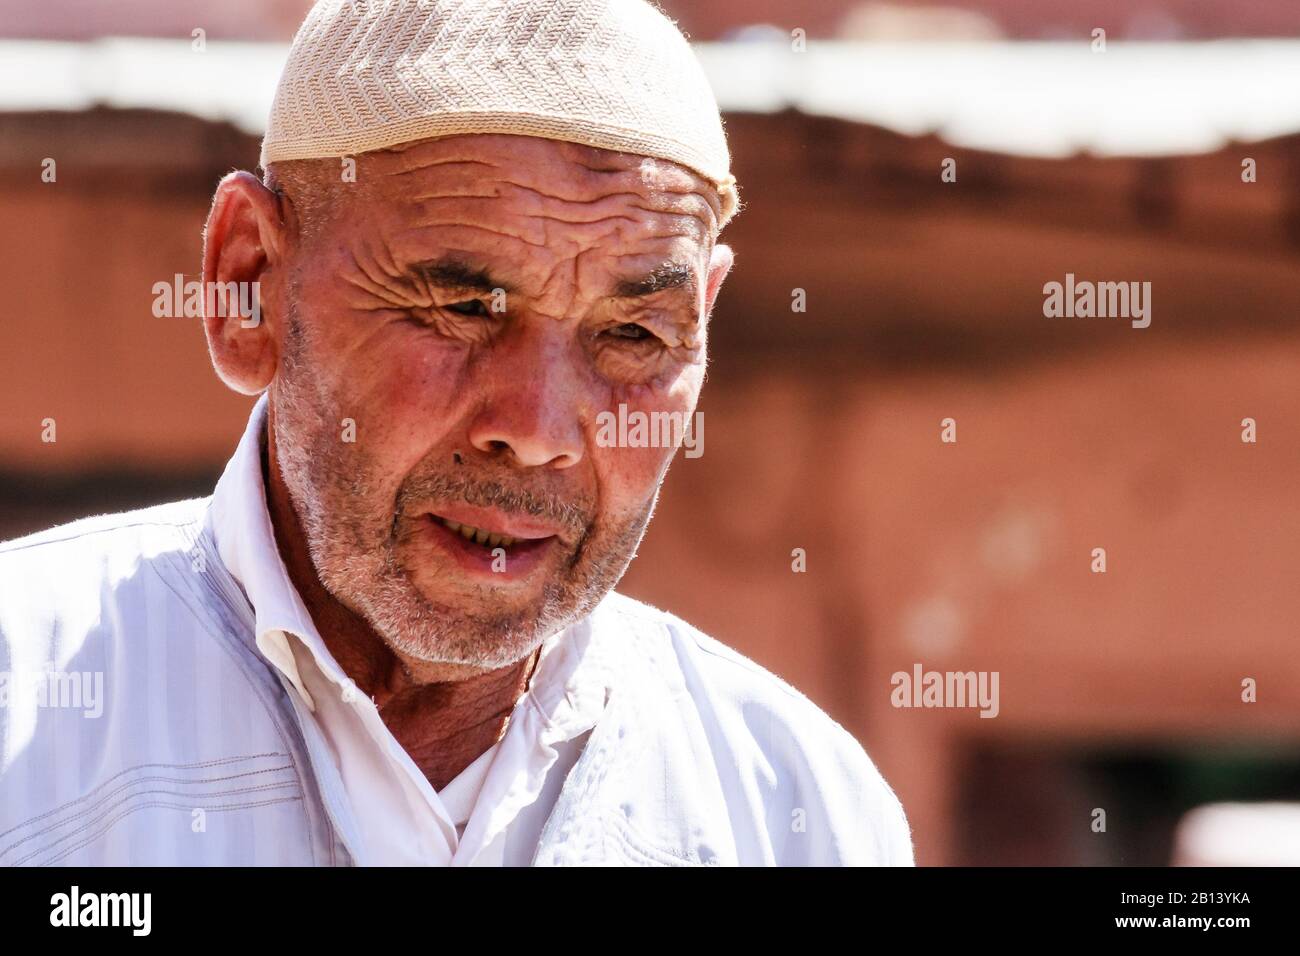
(370, 272)
(385, 268)
(573, 163)
(640, 193)
(440, 177)
(667, 226)
(669, 179)
(589, 177)
(547, 201)
(557, 225)
(584, 184)
(685, 209)
(543, 234)
(369, 266)
(497, 230)
(489, 209)
(539, 229)
(515, 160)
(572, 298)
(436, 197)
(542, 205)
(449, 164)
(561, 286)
(598, 160)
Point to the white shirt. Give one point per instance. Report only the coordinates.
(397, 817)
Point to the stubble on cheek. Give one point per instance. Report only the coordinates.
(332, 482)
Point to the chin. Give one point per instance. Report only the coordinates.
(472, 634)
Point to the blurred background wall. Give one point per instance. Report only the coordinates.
(1120, 691)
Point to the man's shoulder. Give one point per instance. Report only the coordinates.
(820, 788)
(145, 529)
(772, 729)
(727, 672)
(73, 577)
(102, 530)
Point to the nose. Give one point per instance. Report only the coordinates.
(532, 410)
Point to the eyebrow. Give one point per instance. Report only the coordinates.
(668, 275)
(458, 274)
(454, 273)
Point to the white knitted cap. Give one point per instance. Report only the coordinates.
(369, 74)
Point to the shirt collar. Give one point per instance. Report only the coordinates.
(569, 685)
(245, 539)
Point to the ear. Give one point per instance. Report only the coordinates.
(720, 262)
(243, 242)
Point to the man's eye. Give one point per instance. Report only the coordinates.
(631, 331)
(473, 307)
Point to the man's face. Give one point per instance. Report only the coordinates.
(458, 318)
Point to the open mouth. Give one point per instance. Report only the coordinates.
(489, 539)
(505, 547)
(477, 540)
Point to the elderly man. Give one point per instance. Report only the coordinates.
(390, 636)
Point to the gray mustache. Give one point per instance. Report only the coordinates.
(573, 516)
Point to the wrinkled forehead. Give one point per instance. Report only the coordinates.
(526, 197)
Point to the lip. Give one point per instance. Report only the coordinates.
(521, 558)
(523, 527)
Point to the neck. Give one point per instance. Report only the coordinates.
(444, 715)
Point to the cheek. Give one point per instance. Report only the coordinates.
(628, 477)
(420, 380)
(632, 469)
(407, 400)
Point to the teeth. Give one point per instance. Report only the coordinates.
(478, 535)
